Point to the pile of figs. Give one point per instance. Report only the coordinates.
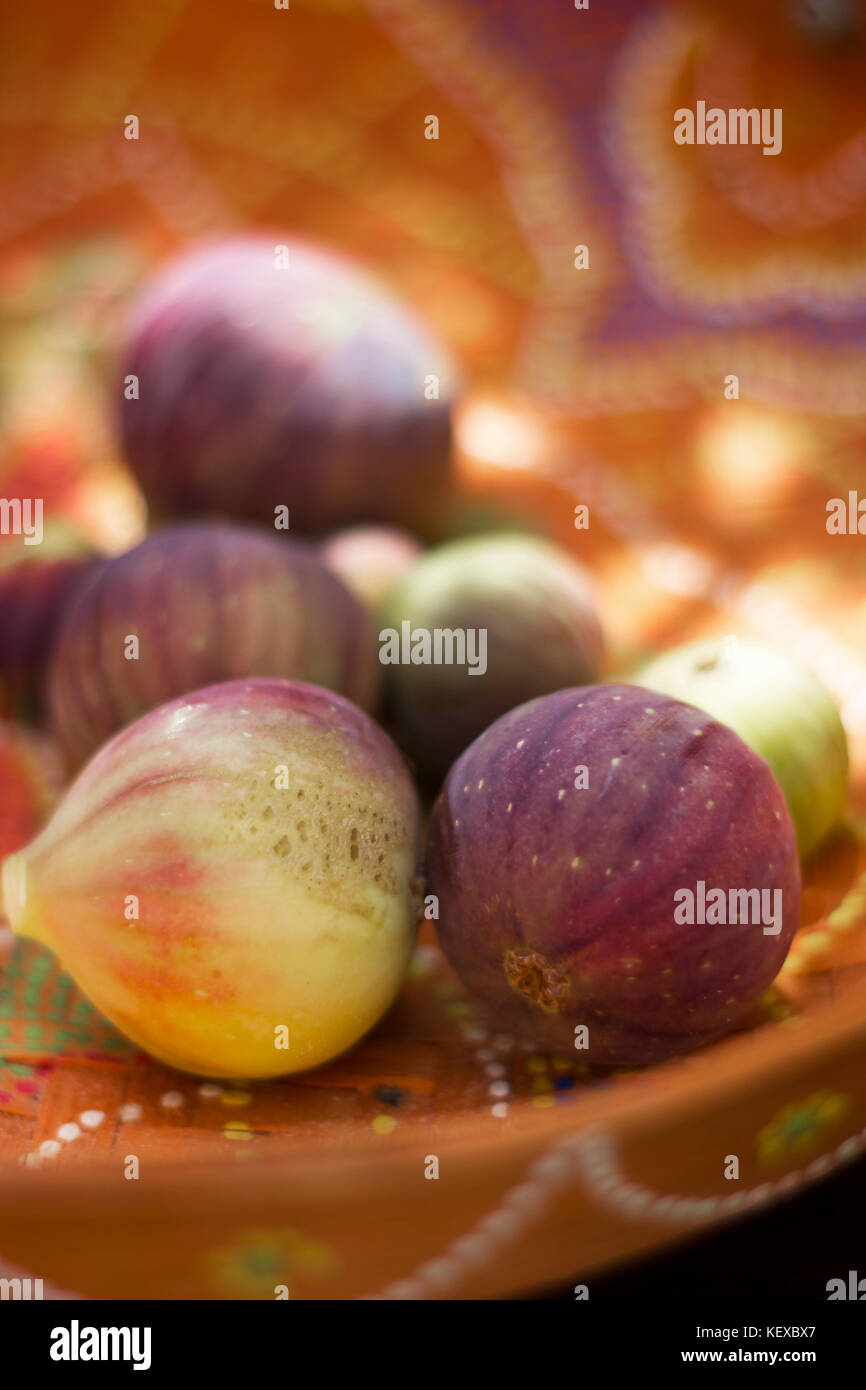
(254, 704)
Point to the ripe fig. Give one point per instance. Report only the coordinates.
(615, 871)
(30, 780)
(260, 375)
(524, 609)
(36, 583)
(779, 709)
(231, 879)
(195, 604)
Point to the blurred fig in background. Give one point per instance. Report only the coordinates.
(259, 374)
(371, 560)
(35, 585)
(476, 627)
(779, 709)
(232, 880)
(196, 604)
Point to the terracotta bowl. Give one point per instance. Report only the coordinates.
(440, 1159)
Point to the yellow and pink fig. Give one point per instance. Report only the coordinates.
(30, 781)
(231, 879)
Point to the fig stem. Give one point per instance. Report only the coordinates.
(530, 974)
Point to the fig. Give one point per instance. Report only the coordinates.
(779, 709)
(35, 585)
(30, 781)
(231, 879)
(522, 616)
(192, 605)
(615, 871)
(259, 375)
(371, 560)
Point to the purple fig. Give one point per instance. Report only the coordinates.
(615, 871)
(35, 585)
(259, 375)
(231, 880)
(201, 603)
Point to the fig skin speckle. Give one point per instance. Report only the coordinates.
(581, 888)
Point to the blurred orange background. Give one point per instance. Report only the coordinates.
(603, 386)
